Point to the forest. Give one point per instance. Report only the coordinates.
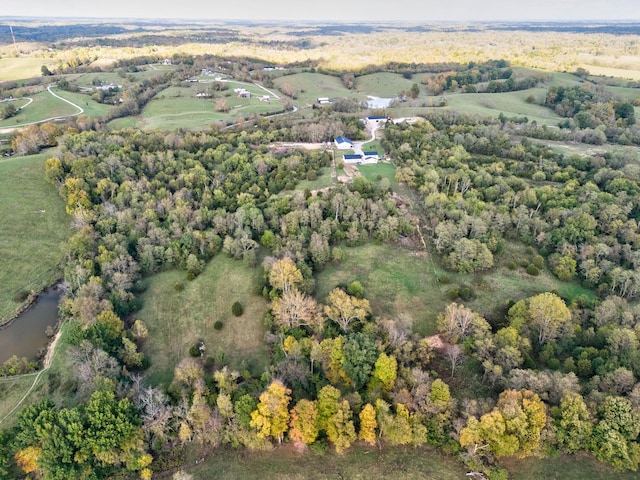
(472, 200)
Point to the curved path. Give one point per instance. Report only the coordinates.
(78, 107)
(46, 364)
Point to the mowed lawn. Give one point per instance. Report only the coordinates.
(363, 463)
(382, 170)
(90, 106)
(401, 284)
(44, 106)
(33, 224)
(178, 319)
(576, 467)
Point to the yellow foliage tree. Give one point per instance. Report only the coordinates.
(368, 424)
(27, 459)
(345, 309)
(284, 275)
(304, 422)
(271, 418)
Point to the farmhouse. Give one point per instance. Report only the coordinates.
(371, 156)
(265, 98)
(343, 143)
(242, 93)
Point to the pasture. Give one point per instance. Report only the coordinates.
(44, 106)
(401, 284)
(91, 107)
(34, 223)
(384, 84)
(22, 67)
(178, 319)
(310, 86)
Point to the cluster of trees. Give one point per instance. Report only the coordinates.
(480, 190)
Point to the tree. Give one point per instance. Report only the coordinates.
(414, 91)
(8, 111)
(345, 309)
(456, 322)
(368, 424)
(294, 309)
(340, 429)
(328, 401)
(284, 275)
(222, 105)
(548, 314)
(385, 371)
(454, 355)
(271, 418)
(304, 422)
(513, 427)
(44, 70)
(470, 255)
(574, 424)
(360, 354)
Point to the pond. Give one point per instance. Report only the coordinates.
(25, 336)
(376, 102)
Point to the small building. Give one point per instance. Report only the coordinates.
(376, 120)
(242, 93)
(371, 156)
(343, 143)
(265, 98)
(352, 158)
(203, 95)
(166, 61)
(323, 100)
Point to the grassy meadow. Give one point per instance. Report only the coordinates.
(44, 106)
(401, 284)
(384, 170)
(22, 67)
(90, 106)
(34, 223)
(383, 84)
(178, 319)
(310, 86)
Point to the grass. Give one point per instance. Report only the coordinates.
(578, 467)
(44, 106)
(90, 106)
(359, 463)
(177, 320)
(383, 84)
(20, 68)
(624, 94)
(311, 86)
(401, 284)
(177, 107)
(323, 180)
(34, 223)
(511, 104)
(385, 170)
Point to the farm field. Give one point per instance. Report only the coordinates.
(44, 106)
(21, 68)
(384, 84)
(90, 106)
(310, 86)
(400, 284)
(178, 319)
(34, 223)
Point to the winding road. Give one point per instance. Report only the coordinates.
(78, 107)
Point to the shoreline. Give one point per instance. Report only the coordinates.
(31, 300)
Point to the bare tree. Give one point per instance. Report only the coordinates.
(454, 356)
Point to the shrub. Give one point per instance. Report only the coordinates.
(538, 261)
(512, 266)
(465, 292)
(355, 289)
(453, 293)
(237, 309)
(533, 270)
(218, 325)
(194, 351)
(444, 279)
(312, 175)
(179, 286)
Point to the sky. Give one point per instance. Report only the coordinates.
(333, 10)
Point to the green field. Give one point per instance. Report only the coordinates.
(90, 106)
(577, 467)
(407, 463)
(44, 106)
(624, 93)
(34, 223)
(311, 86)
(512, 104)
(384, 170)
(401, 284)
(384, 84)
(177, 320)
(178, 107)
(20, 68)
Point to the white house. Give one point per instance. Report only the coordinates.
(323, 100)
(354, 158)
(343, 143)
(376, 120)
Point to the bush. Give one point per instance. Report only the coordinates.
(237, 309)
(444, 279)
(453, 293)
(355, 289)
(178, 287)
(533, 270)
(312, 175)
(465, 292)
(194, 351)
(512, 266)
(218, 325)
(538, 261)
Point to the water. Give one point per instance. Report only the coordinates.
(375, 102)
(26, 335)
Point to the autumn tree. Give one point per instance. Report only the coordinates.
(271, 418)
(368, 424)
(345, 309)
(513, 427)
(304, 422)
(284, 275)
(573, 423)
(385, 371)
(294, 309)
(340, 429)
(328, 402)
(456, 321)
(548, 315)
